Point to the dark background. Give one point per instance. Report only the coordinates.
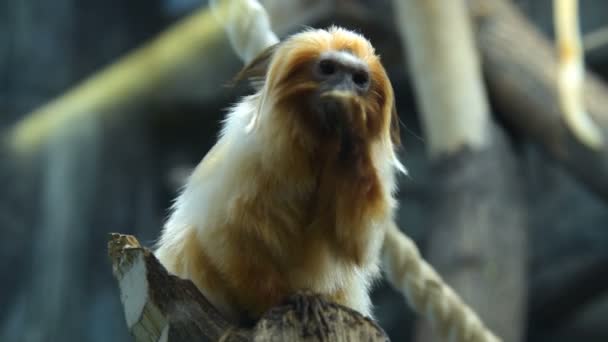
(98, 176)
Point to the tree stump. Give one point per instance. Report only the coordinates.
(159, 306)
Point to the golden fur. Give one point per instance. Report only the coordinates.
(281, 203)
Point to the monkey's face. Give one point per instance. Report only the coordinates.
(342, 86)
(329, 85)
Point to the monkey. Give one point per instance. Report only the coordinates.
(299, 189)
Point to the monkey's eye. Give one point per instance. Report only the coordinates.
(361, 78)
(327, 67)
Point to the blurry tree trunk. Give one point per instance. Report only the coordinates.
(476, 215)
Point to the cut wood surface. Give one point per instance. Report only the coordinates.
(161, 307)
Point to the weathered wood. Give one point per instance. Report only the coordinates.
(306, 317)
(158, 304)
(161, 307)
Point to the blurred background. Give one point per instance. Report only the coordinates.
(105, 106)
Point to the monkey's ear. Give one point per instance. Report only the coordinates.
(256, 70)
(394, 127)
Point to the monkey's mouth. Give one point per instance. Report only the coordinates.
(336, 110)
(341, 116)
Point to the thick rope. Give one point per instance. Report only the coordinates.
(248, 28)
(247, 25)
(427, 293)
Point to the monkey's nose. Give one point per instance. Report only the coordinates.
(342, 71)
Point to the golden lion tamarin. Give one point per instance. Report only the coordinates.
(297, 194)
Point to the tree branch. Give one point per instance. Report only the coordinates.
(158, 304)
(161, 307)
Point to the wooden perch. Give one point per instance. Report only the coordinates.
(161, 307)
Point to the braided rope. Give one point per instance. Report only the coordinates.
(247, 25)
(248, 28)
(427, 293)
